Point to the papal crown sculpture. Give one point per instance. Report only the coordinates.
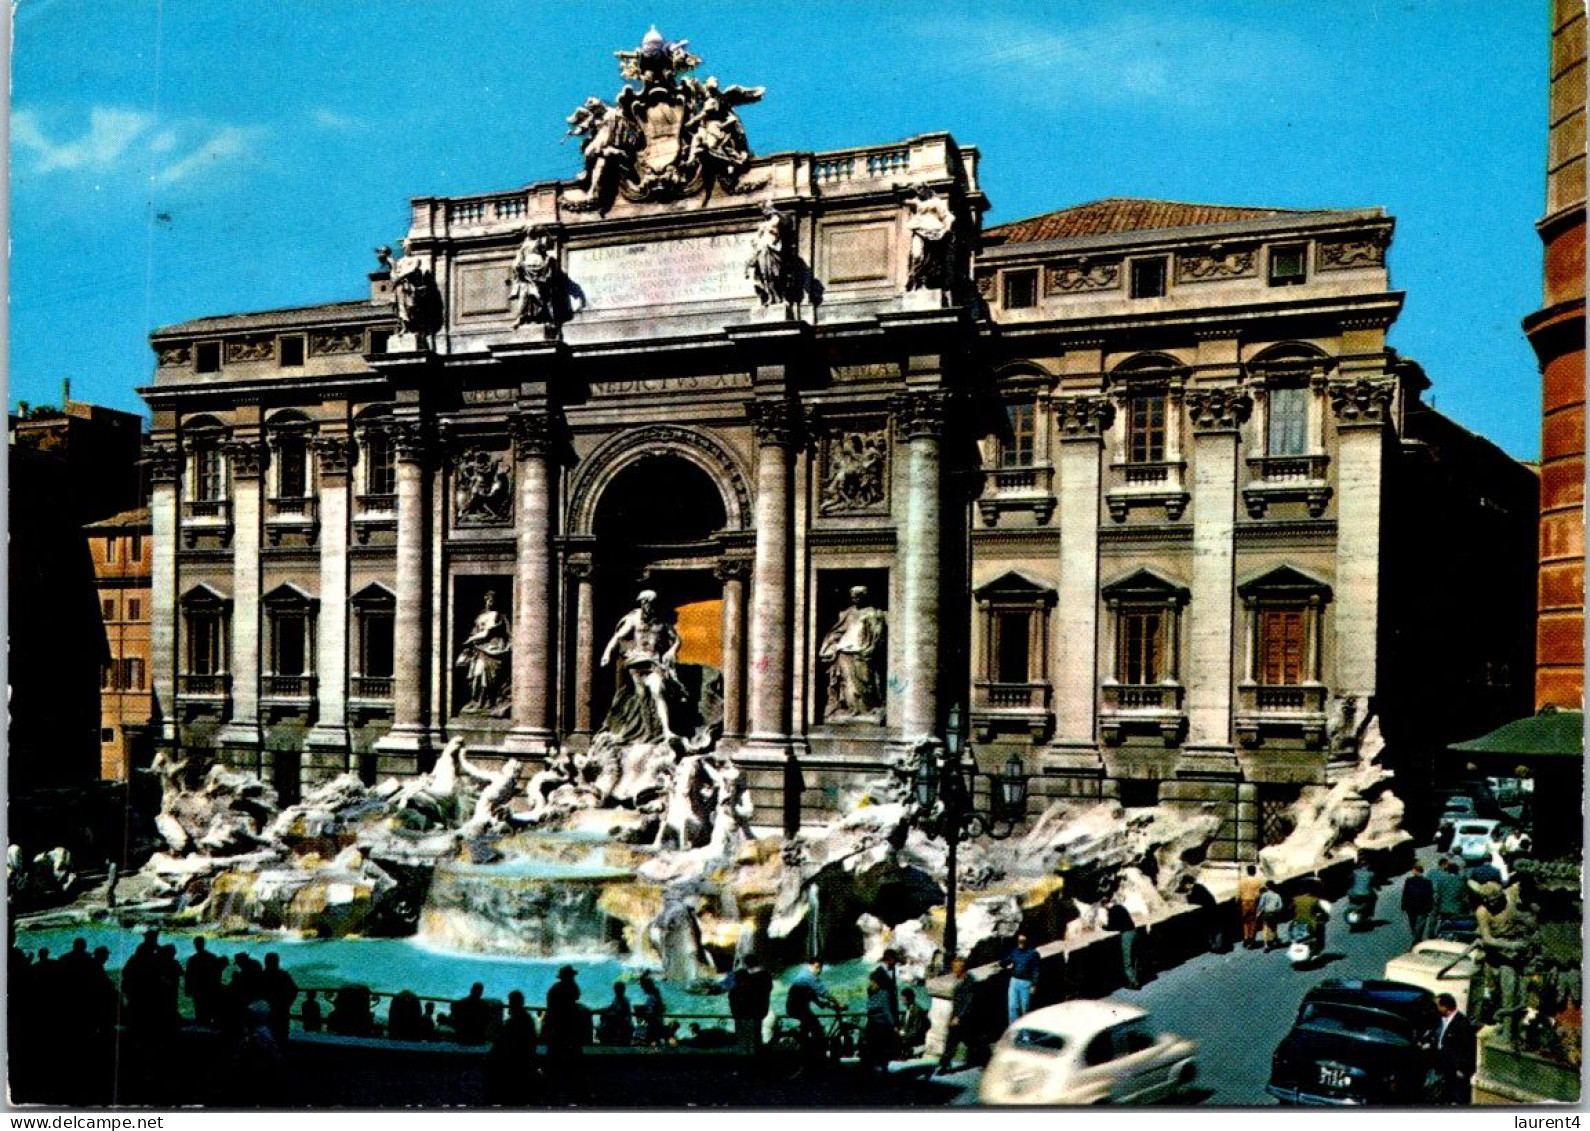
(667, 138)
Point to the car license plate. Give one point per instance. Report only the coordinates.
(1335, 1076)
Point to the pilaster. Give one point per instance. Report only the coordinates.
(533, 695)
(246, 461)
(1362, 409)
(165, 473)
(326, 753)
(1217, 415)
(1081, 422)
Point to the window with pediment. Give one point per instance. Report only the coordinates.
(1284, 627)
(1011, 689)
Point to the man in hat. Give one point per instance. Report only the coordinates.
(564, 1023)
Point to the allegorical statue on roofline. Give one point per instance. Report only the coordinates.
(666, 138)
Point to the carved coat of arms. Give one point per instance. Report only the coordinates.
(665, 136)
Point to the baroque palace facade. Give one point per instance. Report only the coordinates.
(1117, 478)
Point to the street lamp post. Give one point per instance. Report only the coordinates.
(946, 795)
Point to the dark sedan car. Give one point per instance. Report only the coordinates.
(1359, 1042)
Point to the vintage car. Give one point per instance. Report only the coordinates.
(1476, 839)
(1358, 1042)
(1087, 1052)
(1442, 966)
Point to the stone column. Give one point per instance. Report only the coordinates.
(1217, 416)
(327, 744)
(1362, 408)
(246, 461)
(1082, 422)
(534, 700)
(400, 747)
(768, 690)
(165, 476)
(919, 424)
(733, 572)
(578, 568)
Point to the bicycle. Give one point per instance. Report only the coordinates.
(841, 1037)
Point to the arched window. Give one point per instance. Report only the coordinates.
(374, 608)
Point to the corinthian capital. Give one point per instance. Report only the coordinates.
(410, 440)
(777, 422)
(334, 453)
(920, 415)
(1218, 410)
(165, 462)
(246, 458)
(1084, 417)
(532, 435)
(1362, 401)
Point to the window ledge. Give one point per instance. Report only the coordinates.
(1279, 479)
(1028, 488)
(1011, 707)
(1281, 709)
(1127, 707)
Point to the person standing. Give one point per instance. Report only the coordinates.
(202, 980)
(879, 1034)
(510, 1065)
(1209, 911)
(563, 1025)
(888, 968)
(1118, 919)
(1451, 897)
(1249, 888)
(914, 1023)
(1455, 1051)
(958, 1033)
(1418, 904)
(750, 995)
(1023, 963)
(280, 992)
(1272, 913)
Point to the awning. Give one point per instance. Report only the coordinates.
(1551, 734)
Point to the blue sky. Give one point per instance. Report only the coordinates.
(171, 160)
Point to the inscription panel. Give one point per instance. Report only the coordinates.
(629, 386)
(857, 253)
(697, 269)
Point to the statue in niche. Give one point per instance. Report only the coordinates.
(855, 472)
(416, 300)
(482, 489)
(932, 228)
(536, 291)
(644, 680)
(484, 656)
(853, 651)
(770, 262)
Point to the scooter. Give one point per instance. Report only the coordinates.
(1305, 948)
(1360, 911)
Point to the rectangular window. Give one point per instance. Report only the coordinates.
(135, 609)
(207, 357)
(205, 644)
(290, 351)
(1145, 429)
(1019, 449)
(107, 609)
(379, 468)
(292, 469)
(1021, 289)
(209, 474)
(1288, 265)
(1148, 278)
(1281, 644)
(375, 643)
(107, 677)
(289, 644)
(1012, 646)
(136, 553)
(1288, 425)
(133, 674)
(108, 734)
(378, 340)
(1141, 654)
(112, 548)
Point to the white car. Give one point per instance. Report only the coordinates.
(1442, 966)
(1087, 1052)
(1475, 839)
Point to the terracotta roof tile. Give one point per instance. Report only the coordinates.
(1124, 214)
